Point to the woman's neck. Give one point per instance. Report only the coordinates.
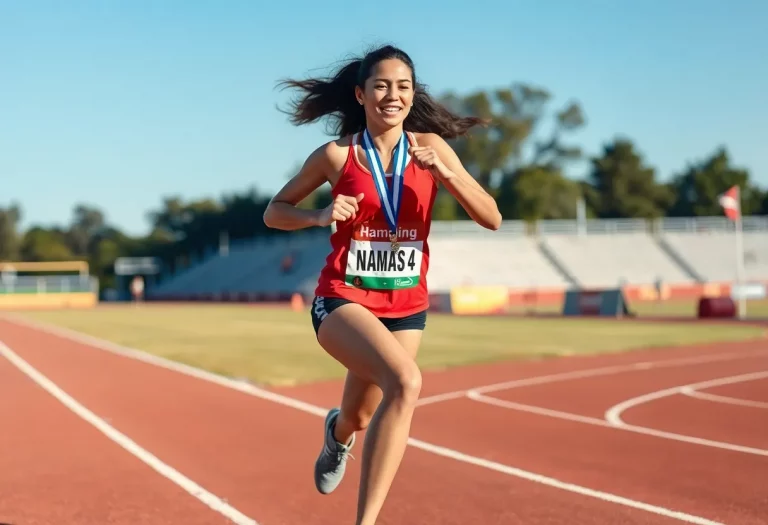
(386, 140)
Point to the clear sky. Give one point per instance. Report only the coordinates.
(120, 103)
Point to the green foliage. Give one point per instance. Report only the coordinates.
(699, 186)
(40, 244)
(621, 185)
(513, 115)
(536, 193)
(445, 206)
(9, 239)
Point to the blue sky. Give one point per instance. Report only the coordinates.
(120, 103)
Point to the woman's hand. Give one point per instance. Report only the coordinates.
(427, 158)
(341, 209)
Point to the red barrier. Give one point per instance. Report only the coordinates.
(717, 307)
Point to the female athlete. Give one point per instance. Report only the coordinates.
(371, 300)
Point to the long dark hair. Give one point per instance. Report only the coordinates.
(334, 97)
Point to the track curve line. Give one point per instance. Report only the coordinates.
(613, 414)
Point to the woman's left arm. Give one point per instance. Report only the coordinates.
(437, 155)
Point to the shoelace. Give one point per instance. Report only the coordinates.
(340, 455)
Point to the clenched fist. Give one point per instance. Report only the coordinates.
(426, 157)
(341, 209)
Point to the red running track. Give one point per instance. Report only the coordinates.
(755, 391)
(256, 454)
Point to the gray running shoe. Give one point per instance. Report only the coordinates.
(332, 462)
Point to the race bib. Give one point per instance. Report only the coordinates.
(372, 263)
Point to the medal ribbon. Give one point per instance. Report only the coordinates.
(390, 199)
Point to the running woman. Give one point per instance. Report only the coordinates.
(371, 300)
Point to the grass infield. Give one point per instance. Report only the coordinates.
(277, 346)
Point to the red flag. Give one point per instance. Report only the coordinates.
(730, 203)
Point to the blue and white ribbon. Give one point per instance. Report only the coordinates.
(390, 199)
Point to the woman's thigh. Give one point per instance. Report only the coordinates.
(358, 340)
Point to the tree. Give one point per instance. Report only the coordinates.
(9, 235)
(700, 185)
(513, 115)
(87, 223)
(538, 193)
(620, 185)
(318, 199)
(175, 218)
(41, 244)
(445, 207)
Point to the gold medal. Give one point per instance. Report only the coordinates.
(393, 242)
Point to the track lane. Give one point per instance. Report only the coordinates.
(249, 450)
(57, 469)
(716, 484)
(591, 396)
(680, 414)
(749, 391)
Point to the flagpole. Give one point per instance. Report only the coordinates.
(740, 277)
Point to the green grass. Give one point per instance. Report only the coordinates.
(756, 309)
(277, 346)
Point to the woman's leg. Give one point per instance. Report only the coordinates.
(359, 341)
(361, 398)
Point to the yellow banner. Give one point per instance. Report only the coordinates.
(47, 300)
(467, 300)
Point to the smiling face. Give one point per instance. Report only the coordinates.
(388, 93)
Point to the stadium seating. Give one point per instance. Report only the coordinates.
(512, 261)
(252, 267)
(712, 255)
(553, 255)
(615, 259)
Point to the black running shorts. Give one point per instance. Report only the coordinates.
(322, 306)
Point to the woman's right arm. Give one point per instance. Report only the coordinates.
(282, 213)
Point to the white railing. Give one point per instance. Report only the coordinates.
(466, 227)
(48, 284)
(591, 226)
(710, 224)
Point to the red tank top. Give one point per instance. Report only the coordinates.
(362, 267)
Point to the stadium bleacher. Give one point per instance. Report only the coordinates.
(512, 261)
(712, 255)
(616, 259)
(552, 255)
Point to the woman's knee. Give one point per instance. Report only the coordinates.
(404, 384)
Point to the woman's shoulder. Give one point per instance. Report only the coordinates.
(333, 153)
(429, 139)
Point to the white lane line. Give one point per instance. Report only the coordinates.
(319, 411)
(706, 396)
(590, 372)
(511, 405)
(562, 485)
(165, 470)
(613, 414)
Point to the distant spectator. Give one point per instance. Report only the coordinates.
(287, 263)
(137, 288)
